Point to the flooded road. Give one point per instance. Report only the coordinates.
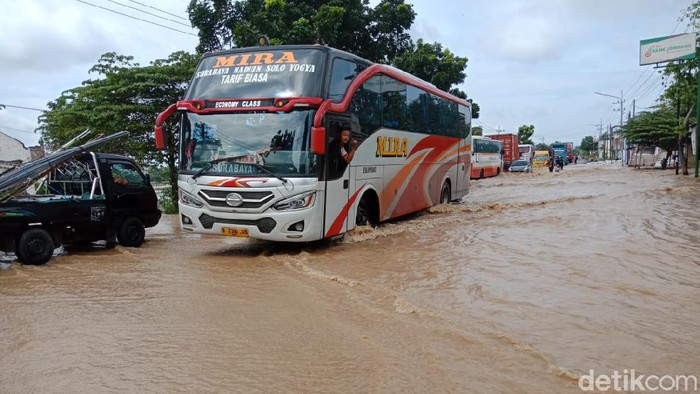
(530, 282)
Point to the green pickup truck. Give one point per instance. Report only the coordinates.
(84, 197)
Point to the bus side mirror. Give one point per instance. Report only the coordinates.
(161, 137)
(318, 140)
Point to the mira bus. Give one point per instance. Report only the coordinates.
(487, 157)
(259, 144)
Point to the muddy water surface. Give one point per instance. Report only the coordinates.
(531, 281)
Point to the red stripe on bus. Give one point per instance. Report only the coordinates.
(343, 215)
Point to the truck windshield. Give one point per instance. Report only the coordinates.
(240, 144)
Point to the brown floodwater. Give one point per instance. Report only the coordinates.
(530, 282)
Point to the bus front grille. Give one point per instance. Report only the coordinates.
(265, 225)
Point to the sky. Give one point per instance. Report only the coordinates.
(531, 62)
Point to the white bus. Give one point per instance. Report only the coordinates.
(527, 152)
(260, 153)
(487, 157)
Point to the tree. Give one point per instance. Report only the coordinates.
(377, 34)
(681, 80)
(587, 144)
(525, 133)
(442, 68)
(657, 128)
(125, 96)
(541, 146)
(477, 130)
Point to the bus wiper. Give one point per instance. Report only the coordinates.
(262, 168)
(203, 169)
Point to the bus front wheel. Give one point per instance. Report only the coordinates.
(445, 194)
(366, 211)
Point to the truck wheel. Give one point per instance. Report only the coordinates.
(35, 246)
(131, 233)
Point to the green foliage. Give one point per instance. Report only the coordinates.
(681, 77)
(475, 110)
(433, 64)
(525, 133)
(168, 202)
(658, 128)
(158, 174)
(377, 34)
(587, 144)
(477, 130)
(125, 96)
(541, 146)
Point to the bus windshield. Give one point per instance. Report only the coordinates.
(248, 144)
(258, 74)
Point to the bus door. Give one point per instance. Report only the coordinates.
(337, 179)
(463, 171)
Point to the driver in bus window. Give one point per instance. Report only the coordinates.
(347, 147)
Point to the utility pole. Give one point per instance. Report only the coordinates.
(621, 101)
(599, 127)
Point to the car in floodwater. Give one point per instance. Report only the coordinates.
(520, 166)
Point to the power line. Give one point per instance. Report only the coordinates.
(17, 106)
(166, 12)
(639, 88)
(629, 89)
(485, 126)
(651, 87)
(148, 13)
(133, 17)
(11, 128)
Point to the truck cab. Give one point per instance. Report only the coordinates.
(87, 197)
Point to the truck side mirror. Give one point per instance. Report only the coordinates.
(318, 140)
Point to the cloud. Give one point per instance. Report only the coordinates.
(48, 46)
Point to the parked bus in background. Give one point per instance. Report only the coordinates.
(261, 152)
(527, 152)
(487, 157)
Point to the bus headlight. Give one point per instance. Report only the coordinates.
(300, 201)
(190, 200)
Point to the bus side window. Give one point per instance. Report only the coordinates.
(367, 105)
(342, 73)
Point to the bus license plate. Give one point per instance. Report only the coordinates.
(235, 232)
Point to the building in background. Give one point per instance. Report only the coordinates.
(13, 152)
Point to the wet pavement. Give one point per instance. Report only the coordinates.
(530, 282)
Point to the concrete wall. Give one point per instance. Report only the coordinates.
(12, 149)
